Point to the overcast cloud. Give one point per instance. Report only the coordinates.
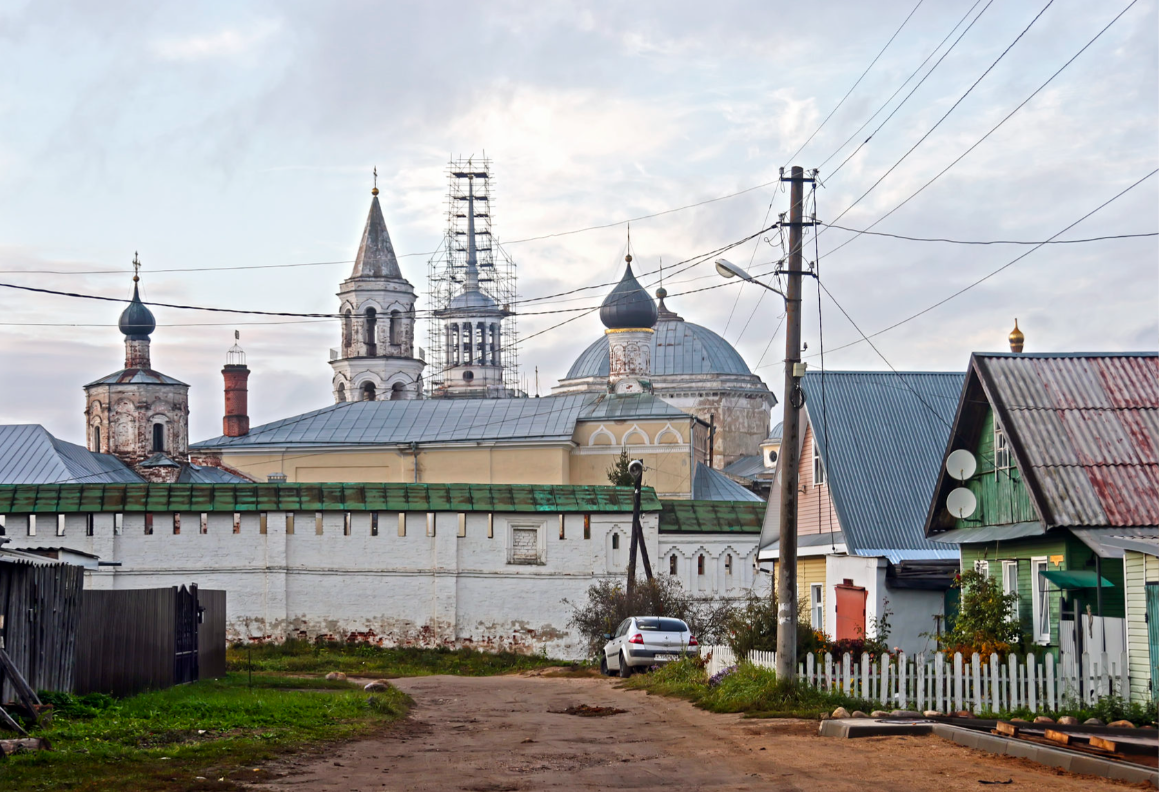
(225, 134)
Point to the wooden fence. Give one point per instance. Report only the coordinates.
(922, 682)
(40, 606)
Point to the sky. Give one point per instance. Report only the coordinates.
(214, 135)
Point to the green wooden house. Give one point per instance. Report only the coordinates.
(1062, 468)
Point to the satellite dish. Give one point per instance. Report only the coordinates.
(961, 464)
(961, 502)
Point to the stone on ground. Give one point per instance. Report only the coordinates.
(857, 714)
(378, 686)
(333, 675)
(1123, 724)
(931, 714)
(879, 714)
(1043, 719)
(840, 712)
(1093, 722)
(1068, 720)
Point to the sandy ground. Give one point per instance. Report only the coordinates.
(497, 734)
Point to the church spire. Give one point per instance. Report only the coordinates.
(471, 281)
(376, 255)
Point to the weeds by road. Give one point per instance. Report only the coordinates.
(302, 657)
(205, 735)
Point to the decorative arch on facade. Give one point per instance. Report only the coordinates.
(634, 433)
(669, 436)
(602, 437)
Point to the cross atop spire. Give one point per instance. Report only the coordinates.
(136, 267)
(376, 255)
(375, 189)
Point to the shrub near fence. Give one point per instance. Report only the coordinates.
(933, 682)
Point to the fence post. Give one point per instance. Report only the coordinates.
(884, 680)
(865, 675)
(993, 667)
(1032, 681)
(1049, 680)
(920, 680)
(958, 681)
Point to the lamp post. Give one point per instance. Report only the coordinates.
(787, 598)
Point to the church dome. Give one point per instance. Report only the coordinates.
(137, 321)
(628, 306)
(678, 347)
(472, 301)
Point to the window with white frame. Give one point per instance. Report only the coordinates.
(1040, 601)
(817, 615)
(1002, 450)
(983, 568)
(819, 468)
(1011, 584)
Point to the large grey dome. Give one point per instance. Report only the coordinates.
(472, 301)
(678, 347)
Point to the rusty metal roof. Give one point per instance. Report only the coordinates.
(1084, 430)
(695, 516)
(73, 498)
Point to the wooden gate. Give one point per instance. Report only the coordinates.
(187, 616)
(850, 606)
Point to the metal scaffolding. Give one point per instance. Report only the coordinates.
(445, 269)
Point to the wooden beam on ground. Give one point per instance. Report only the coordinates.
(25, 692)
(1057, 736)
(10, 722)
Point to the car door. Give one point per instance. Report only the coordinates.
(612, 648)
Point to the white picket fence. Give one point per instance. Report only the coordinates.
(922, 682)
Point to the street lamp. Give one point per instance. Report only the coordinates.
(727, 269)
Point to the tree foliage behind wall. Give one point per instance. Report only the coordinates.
(618, 474)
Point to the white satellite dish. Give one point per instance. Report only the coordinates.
(961, 502)
(961, 464)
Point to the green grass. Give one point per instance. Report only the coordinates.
(302, 657)
(218, 729)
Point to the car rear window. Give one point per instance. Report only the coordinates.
(661, 625)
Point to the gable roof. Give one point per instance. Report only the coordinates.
(1083, 432)
(881, 435)
(29, 454)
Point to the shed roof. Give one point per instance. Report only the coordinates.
(29, 454)
(696, 516)
(881, 436)
(77, 498)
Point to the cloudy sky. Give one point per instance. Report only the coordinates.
(212, 136)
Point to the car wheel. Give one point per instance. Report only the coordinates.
(604, 667)
(625, 669)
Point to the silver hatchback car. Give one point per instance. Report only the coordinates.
(643, 641)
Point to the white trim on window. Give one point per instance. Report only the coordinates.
(1002, 449)
(819, 467)
(983, 568)
(817, 614)
(1011, 584)
(1040, 602)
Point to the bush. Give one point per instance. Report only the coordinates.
(984, 623)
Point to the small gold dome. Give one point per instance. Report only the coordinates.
(375, 191)
(1016, 339)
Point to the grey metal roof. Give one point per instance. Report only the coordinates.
(776, 433)
(628, 306)
(551, 418)
(1146, 546)
(207, 474)
(136, 376)
(136, 320)
(1084, 430)
(990, 533)
(1111, 542)
(709, 484)
(678, 347)
(29, 454)
(747, 467)
(883, 450)
(638, 406)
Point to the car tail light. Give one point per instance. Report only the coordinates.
(693, 641)
(637, 639)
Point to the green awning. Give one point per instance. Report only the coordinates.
(1075, 580)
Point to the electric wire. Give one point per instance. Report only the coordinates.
(992, 241)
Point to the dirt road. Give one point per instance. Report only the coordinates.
(505, 733)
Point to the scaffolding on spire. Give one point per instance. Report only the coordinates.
(447, 270)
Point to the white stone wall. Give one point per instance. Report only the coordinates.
(728, 568)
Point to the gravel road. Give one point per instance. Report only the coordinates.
(500, 734)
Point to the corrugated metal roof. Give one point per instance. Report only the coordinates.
(1084, 428)
(989, 533)
(710, 485)
(419, 421)
(678, 347)
(29, 454)
(1108, 542)
(883, 450)
(77, 498)
(695, 516)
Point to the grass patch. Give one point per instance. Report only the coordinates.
(217, 729)
(751, 690)
(303, 657)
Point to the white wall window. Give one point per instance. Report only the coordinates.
(728, 564)
(817, 615)
(819, 468)
(983, 568)
(32, 525)
(60, 525)
(1011, 584)
(1040, 601)
(526, 544)
(1002, 450)
(672, 565)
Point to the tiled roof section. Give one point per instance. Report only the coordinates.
(694, 516)
(678, 347)
(710, 485)
(29, 454)
(617, 407)
(883, 450)
(1084, 428)
(136, 376)
(76, 498)
(552, 418)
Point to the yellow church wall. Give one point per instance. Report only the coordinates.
(663, 445)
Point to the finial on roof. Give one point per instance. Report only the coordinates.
(136, 320)
(375, 189)
(136, 267)
(628, 305)
(1016, 339)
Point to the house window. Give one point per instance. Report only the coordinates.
(148, 523)
(60, 525)
(1002, 450)
(176, 523)
(374, 523)
(205, 522)
(158, 438)
(1011, 584)
(983, 568)
(1041, 623)
(700, 565)
(728, 564)
(525, 545)
(237, 522)
(616, 541)
(672, 565)
(817, 615)
(819, 468)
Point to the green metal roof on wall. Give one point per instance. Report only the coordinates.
(76, 498)
(694, 516)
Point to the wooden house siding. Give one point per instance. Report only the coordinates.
(810, 571)
(815, 506)
(1001, 494)
(1139, 569)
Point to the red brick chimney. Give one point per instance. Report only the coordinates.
(237, 418)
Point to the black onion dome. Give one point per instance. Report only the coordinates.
(137, 321)
(628, 306)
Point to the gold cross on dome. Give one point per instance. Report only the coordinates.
(136, 267)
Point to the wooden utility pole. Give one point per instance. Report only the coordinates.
(792, 400)
(637, 540)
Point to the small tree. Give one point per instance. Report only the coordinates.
(618, 474)
(984, 623)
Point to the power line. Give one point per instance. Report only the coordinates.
(991, 241)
